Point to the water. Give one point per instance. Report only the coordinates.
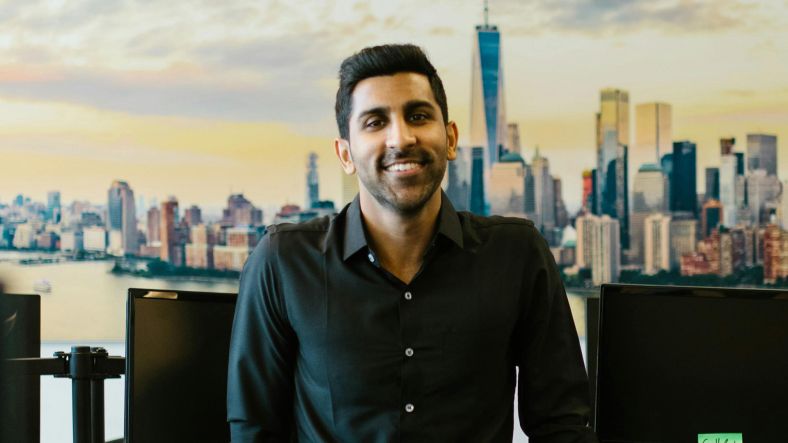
(87, 306)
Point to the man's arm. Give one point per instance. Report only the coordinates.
(262, 353)
(553, 385)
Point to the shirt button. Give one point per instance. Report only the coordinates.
(408, 295)
(371, 258)
(409, 407)
(409, 352)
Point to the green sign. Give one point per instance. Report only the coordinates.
(720, 438)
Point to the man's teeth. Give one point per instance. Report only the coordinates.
(403, 166)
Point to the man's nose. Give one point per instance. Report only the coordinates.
(400, 134)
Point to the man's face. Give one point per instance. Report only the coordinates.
(398, 143)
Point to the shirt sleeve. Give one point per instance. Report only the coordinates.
(553, 392)
(262, 353)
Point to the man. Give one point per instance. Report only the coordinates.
(400, 319)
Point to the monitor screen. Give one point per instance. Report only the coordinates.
(20, 337)
(678, 362)
(177, 347)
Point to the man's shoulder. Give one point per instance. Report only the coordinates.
(498, 224)
(316, 225)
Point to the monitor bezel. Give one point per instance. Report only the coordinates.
(717, 292)
(164, 296)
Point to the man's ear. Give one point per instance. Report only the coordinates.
(451, 140)
(342, 149)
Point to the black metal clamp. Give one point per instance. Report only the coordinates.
(87, 368)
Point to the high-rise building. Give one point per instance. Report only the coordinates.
(544, 190)
(458, 187)
(170, 248)
(612, 159)
(241, 212)
(192, 216)
(587, 202)
(513, 138)
(727, 145)
(561, 215)
(762, 153)
(477, 200)
(653, 132)
(782, 213)
(53, 206)
(199, 253)
(711, 217)
(153, 232)
(712, 184)
(312, 185)
(488, 114)
(762, 189)
(584, 226)
(650, 195)
(606, 247)
(728, 189)
(775, 254)
(656, 243)
(683, 239)
(240, 243)
(121, 216)
(683, 183)
(507, 186)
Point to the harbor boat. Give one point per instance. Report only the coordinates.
(42, 286)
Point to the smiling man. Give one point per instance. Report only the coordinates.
(401, 319)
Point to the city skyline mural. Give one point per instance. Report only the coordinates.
(238, 94)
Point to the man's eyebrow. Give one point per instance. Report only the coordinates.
(413, 104)
(379, 110)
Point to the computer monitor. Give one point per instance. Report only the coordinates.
(675, 363)
(177, 347)
(20, 394)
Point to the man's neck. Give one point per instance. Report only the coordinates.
(399, 240)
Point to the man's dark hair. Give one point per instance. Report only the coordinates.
(383, 60)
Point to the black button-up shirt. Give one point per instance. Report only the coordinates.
(328, 346)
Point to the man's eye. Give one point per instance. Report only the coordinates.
(418, 117)
(374, 123)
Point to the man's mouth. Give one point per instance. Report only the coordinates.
(403, 166)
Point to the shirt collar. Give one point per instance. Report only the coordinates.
(355, 235)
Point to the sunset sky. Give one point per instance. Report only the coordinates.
(198, 99)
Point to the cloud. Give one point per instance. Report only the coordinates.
(616, 16)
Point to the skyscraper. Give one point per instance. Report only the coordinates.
(762, 189)
(728, 189)
(53, 206)
(762, 153)
(477, 200)
(653, 132)
(507, 186)
(712, 184)
(544, 191)
(121, 216)
(488, 113)
(656, 228)
(587, 202)
(683, 183)
(650, 195)
(488, 117)
(513, 138)
(711, 217)
(170, 250)
(612, 159)
(312, 186)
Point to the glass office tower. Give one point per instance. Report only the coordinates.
(612, 159)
